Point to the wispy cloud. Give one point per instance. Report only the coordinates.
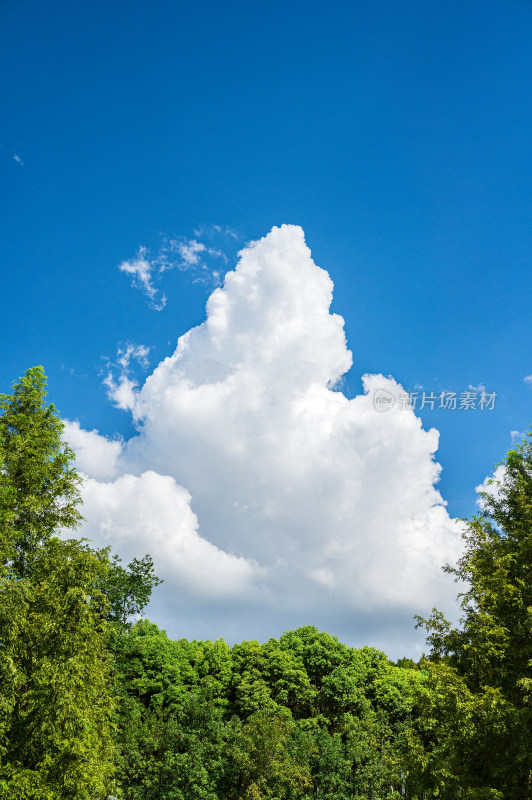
(190, 251)
(202, 260)
(138, 352)
(213, 231)
(121, 385)
(18, 159)
(193, 255)
(142, 271)
(528, 379)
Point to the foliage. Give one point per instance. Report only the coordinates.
(38, 484)
(55, 712)
(55, 705)
(477, 709)
(169, 754)
(266, 758)
(126, 592)
(304, 716)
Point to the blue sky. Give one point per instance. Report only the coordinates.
(396, 135)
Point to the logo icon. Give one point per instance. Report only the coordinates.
(383, 400)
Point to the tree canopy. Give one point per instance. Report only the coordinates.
(56, 704)
(39, 486)
(483, 669)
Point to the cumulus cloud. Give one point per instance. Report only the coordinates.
(312, 508)
(96, 455)
(133, 511)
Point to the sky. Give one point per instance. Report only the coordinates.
(232, 235)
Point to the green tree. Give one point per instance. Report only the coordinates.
(127, 591)
(173, 754)
(55, 701)
(478, 716)
(267, 758)
(55, 705)
(39, 486)
(172, 725)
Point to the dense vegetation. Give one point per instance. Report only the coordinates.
(92, 705)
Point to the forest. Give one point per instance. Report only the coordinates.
(97, 702)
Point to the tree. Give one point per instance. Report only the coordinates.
(56, 703)
(127, 591)
(173, 754)
(172, 732)
(267, 759)
(483, 670)
(39, 487)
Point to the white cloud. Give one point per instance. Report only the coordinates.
(121, 387)
(18, 159)
(121, 391)
(189, 251)
(528, 379)
(150, 511)
(142, 271)
(96, 455)
(315, 508)
(193, 255)
(129, 351)
(199, 260)
(216, 231)
(491, 484)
